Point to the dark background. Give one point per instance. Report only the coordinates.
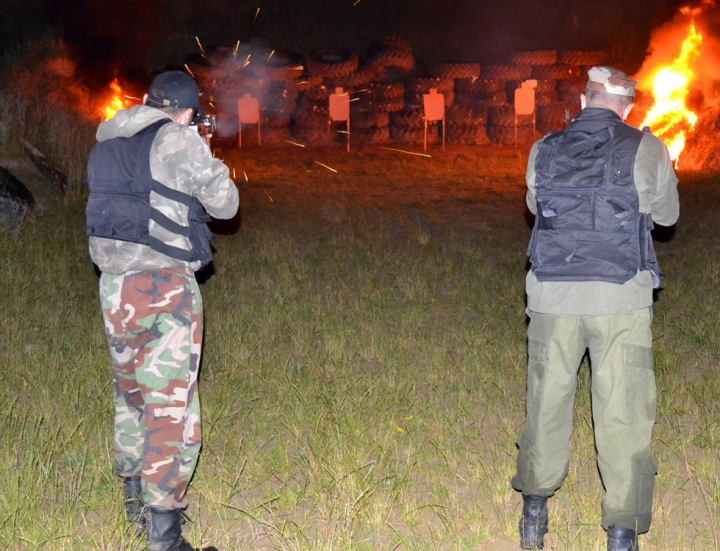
(138, 37)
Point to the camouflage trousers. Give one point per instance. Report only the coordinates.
(154, 326)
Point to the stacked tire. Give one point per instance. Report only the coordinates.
(386, 92)
(501, 126)
(408, 127)
(371, 110)
(466, 126)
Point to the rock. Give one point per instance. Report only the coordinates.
(16, 201)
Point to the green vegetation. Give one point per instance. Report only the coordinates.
(43, 102)
(364, 368)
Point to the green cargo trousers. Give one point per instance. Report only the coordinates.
(623, 407)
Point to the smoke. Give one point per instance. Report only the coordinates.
(245, 68)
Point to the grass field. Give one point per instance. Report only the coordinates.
(364, 367)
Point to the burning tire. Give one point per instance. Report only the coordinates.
(580, 57)
(559, 71)
(506, 72)
(467, 135)
(533, 57)
(369, 119)
(479, 86)
(375, 135)
(332, 62)
(454, 70)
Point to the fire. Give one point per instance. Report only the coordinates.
(669, 118)
(117, 101)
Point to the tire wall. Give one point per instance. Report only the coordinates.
(386, 88)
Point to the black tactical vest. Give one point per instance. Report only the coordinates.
(588, 226)
(119, 208)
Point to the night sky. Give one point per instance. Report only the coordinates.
(141, 36)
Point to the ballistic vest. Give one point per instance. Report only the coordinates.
(120, 183)
(588, 226)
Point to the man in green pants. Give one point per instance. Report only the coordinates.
(153, 181)
(595, 189)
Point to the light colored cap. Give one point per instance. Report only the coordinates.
(612, 81)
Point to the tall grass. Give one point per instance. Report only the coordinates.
(362, 384)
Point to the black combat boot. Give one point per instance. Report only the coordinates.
(534, 522)
(622, 539)
(164, 531)
(134, 508)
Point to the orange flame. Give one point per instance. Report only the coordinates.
(669, 118)
(116, 102)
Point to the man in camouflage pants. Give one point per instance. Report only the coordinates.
(152, 183)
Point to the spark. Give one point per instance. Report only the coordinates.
(354, 99)
(356, 2)
(213, 153)
(266, 193)
(247, 61)
(343, 132)
(236, 49)
(211, 105)
(233, 173)
(359, 91)
(246, 178)
(326, 166)
(408, 152)
(202, 50)
(295, 143)
(132, 97)
(271, 54)
(189, 71)
(256, 15)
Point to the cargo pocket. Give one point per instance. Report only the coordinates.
(537, 360)
(644, 470)
(639, 382)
